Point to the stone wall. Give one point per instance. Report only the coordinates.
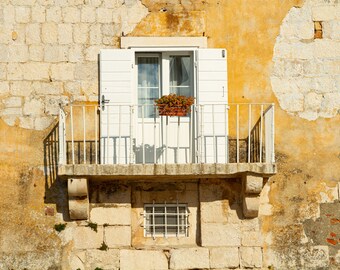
(49, 56)
(221, 238)
(49, 53)
(306, 75)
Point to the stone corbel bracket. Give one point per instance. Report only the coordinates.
(252, 187)
(78, 198)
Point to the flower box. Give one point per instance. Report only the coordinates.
(174, 105)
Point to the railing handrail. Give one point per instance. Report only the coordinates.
(264, 121)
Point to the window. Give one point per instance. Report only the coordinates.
(162, 74)
(163, 220)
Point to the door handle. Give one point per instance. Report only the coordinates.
(103, 101)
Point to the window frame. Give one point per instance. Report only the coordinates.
(164, 55)
(165, 234)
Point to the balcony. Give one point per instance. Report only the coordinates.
(213, 140)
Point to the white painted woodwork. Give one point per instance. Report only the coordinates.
(212, 91)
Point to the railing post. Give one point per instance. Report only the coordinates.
(131, 132)
(269, 134)
(62, 135)
(72, 134)
(84, 128)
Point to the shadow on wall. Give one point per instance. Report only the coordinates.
(55, 189)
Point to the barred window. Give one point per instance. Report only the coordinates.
(163, 220)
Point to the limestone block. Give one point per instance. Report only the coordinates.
(108, 259)
(3, 72)
(220, 235)
(143, 260)
(326, 48)
(33, 33)
(62, 71)
(92, 52)
(222, 258)
(312, 101)
(4, 49)
(11, 111)
(19, 34)
(4, 88)
(72, 88)
(26, 122)
(322, 85)
(71, 14)
(104, 15)
(252, 184)
(251, 239)
(265, 209)
(33, 107)
(36, 71)
(12, 102)
(52, 104)
(23, 2)
(53, 14)
(316, 257)
(330, 105)
(251, 257)
(9, 14)
(113, 4)
(38, 14)
(305, 30)
(251, 206)
(22, 14)
(18, 53)
(75, 2)
(9, 119)
(41, 123)
(86, 238)
(323, 13)
(75, 54)
(49, 32)
(118, 236)
(95, 34)
(56, 53)
(214, 211)
(189, 258)
(36, 52)
(292, 102)
(86, 71)
(65, 33)
(331, 30)
(136, 12)
(88, 14)
(80, 33)
(21, 88)
(250, 224)
(111, 214)
(48, 88)
(77, 259)
(294, 50)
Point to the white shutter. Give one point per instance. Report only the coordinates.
(212, 93)
(116, 96)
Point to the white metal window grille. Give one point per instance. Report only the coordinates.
(163, 220)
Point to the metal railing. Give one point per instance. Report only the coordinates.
(137, 134)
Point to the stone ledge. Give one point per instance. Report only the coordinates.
(159, 170)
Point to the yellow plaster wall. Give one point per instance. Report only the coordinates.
(307, 152)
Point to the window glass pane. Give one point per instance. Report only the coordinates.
(180, 70)
(180, 75)
(148, 85)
